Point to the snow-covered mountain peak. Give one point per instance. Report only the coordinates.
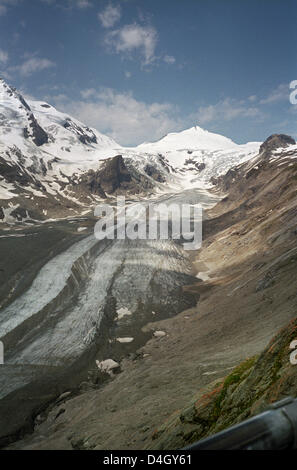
(194, 138)
(64, 130)
(199, 155)
(24, 122)
(17, 121)
(11, 97)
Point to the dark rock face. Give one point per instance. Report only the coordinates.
(114, 174)
(19, 214)
(24, 103)
(165, 164)
(152, 171)
(89, 138)
(39, 136)
(14, 174)
(226, 181)
(89, 182)
(38, 166)
(276, 141)
(199, 166)
(86, 135)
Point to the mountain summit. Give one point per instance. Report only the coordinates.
(23, 122)
(193, 138)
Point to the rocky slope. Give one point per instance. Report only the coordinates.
(247, 291)
(249, 390)
(261, 214)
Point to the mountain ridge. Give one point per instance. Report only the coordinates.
(50, 162)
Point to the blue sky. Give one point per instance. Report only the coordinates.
(138, 69)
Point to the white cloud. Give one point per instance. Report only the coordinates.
(128, 74)
(110, 16)
(83, 3)
(32, 65)
(88, 93)
(130, 122)
(69, 4)
(132, 38)
(3, 57)
(169, 59)
(252, 98)
(227, 110)
(122, 117)
(80, 3)
(281, 93)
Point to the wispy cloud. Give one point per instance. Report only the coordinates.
(88, 93)
(110, 16)
(68, 4)
(227, 109)
(81, 4)
(3, 57)
(31, 65)
(169, 59)
(134, 38)
(280, 93)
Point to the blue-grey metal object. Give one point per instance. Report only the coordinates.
(275, 429)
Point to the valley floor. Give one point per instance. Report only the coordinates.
(248, 293)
